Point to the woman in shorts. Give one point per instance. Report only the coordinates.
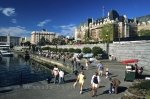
(95, 81)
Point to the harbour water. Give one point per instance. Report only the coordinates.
(15, 71)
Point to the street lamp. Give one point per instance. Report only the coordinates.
(107, 44)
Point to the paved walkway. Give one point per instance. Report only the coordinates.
(42, 90)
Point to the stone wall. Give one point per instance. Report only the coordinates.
(124, 50)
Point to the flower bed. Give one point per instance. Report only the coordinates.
(140, 89)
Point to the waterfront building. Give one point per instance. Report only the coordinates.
(122, 27)
(144, 25)
(13, 40)
(37, 35)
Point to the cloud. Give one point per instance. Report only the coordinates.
(42, 23)
(8, 11)
(15, 31)
(68, 29)
(14, 21)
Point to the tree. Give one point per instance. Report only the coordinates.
(86, 50)
(71, 50)
(86, 37)
(60, 50)
(65, 50)
(107, 32)
(77, 50)
(42, 41)
(97, 50)
(144, 32)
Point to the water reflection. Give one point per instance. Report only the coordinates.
(15, 71)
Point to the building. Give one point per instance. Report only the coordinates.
(144, 25)
(37, 35)
(15, 41)
(92, 29)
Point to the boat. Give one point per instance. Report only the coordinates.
(6, 53)
(5, 50)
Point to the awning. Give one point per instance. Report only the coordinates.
(129, 61)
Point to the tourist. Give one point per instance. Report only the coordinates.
(95, 81)
(114, 85)
(56, 74)
(87, 64)
(100, 68)
(61, 76)
(107, 72)
(80, 79)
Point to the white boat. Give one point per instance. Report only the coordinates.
(6, 53)
(5, 50)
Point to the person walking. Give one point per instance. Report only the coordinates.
(100, 68)
(55, 73)
(80, 79)
(61, 76)
(87, 64)
(95, 81)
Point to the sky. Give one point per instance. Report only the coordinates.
(21, 17)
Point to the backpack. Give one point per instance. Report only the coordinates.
(95, 80)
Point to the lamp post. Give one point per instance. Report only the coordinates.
(107, 44)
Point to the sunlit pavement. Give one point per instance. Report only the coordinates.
(43, 90)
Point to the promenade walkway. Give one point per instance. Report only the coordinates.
(43, 90)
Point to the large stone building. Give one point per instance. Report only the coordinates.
(144, 25)
(37, 35)
(122, 27)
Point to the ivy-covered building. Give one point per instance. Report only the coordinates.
(110, 27)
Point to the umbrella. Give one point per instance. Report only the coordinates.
(130, 61)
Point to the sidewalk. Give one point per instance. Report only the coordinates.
(42, 90)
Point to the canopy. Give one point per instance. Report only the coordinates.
(130, 61)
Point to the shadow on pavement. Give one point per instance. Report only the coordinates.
(121, 89)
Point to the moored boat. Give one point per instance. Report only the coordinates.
(6, 53)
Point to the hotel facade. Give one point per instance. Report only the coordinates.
(122, 27)
(37, 35)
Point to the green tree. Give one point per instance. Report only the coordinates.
(42, 41)
(77, 50)
(107, 32)
(60, 50)
(65, 50)
(71, 50)
(144, 32)
(97, 50)
(45, 48)
(86, 50)
(86, 37)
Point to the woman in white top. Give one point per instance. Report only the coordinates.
(55, 73)
(95, 81)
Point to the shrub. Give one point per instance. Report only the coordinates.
(60, 50)
(86, 50)
(143, 85)
(97, 50)
(71, 50)
(65, 50)
(77, 50)
(45, 48)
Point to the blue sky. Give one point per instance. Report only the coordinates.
(20, 17)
